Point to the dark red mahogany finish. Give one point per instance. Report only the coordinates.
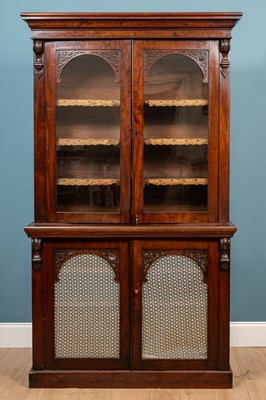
(131, 231)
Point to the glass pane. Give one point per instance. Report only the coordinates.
(175, 136)
(175, 306)
(87, 311)
(88, 137)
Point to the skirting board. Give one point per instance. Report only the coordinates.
(15, 335)
(243, 334)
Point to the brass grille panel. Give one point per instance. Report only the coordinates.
(87, 308)
(175, 307)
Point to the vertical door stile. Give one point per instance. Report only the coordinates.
(137, 132)
(136, 312)
(213, 312)
(50, 154)
(125, 301)
(213, 131)
(125, 129)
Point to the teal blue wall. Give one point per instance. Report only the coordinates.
(248, 144)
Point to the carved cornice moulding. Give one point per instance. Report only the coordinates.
(130, 25)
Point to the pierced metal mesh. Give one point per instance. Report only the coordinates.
(86, 309)
(174, 309)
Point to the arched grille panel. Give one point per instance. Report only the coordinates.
(175, 309)
(87, 311)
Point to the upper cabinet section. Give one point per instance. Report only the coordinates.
(131, 117)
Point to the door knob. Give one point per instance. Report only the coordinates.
(136, 292)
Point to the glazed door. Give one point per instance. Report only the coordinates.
(88, 91)
(86, 306)
(175, 305)
(175, 126)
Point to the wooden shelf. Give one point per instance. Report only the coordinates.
(115, 142)
(176, 102)
(87, 103)
(175, 181)
(175, 172)
(90, 127)
(87, 142)
(147, 181)
(87, 182)
(179, 134)
(82, 171)
(116, 103)
(163, 126)
(175, 141)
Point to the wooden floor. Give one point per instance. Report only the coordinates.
(248, 364)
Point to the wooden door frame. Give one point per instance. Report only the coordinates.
(49, 277)
(124, 71)
(211, 362)
(139, 46)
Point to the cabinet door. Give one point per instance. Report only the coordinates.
(175, 125)
(175, 305)
(86, 305)
(88, 117)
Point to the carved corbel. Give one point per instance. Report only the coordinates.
(225, 254)
(225, 63)
(38, 62)
(36, 254)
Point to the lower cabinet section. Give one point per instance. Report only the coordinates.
(130, 313)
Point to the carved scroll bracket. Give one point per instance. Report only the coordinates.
(36, 254)
(225, 254)
(38, 62)
(225, 63)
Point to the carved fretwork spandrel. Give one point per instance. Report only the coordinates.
(225, 254)
(38, 49)
(109, 255)
(36, 254)
(199, 56)
(199, 256)
(111, 56)
(225, 63)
